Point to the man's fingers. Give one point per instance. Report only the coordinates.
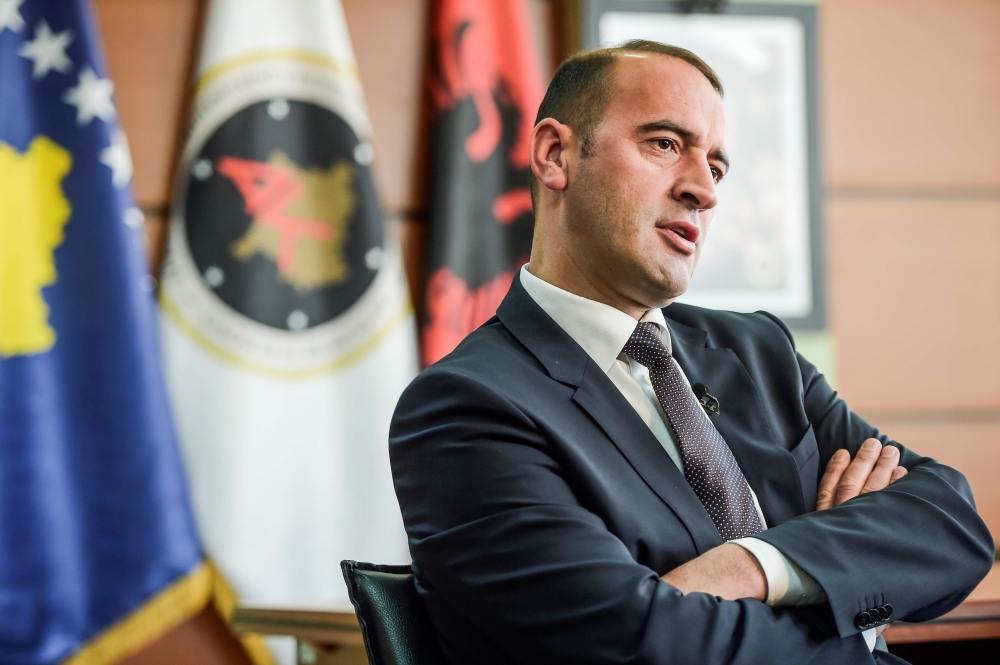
(858, 471)
(831, 478)
(874, 468)
(881, 475)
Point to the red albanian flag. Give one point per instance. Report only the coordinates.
(485, 86)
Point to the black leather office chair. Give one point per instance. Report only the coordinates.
(394, 623)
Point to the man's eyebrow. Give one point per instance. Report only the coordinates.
(721, 156)
(686, 134)
(668, 126)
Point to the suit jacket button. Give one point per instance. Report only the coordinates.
(888, 610)
(863, 620)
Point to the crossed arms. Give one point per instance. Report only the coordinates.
(504, 547)
(731, 572)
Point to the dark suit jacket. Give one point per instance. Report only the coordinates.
(541, 510)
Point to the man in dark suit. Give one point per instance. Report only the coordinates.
(569, 498)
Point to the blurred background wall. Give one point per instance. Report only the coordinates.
(909, 94)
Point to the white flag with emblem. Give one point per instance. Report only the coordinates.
(287, 329)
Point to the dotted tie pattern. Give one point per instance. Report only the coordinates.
(709, 465)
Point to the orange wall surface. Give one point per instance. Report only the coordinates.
(909, 93)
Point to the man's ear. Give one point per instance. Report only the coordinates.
(548, 151)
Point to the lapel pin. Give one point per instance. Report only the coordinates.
(708, 402)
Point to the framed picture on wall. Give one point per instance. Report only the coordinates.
(764, 248)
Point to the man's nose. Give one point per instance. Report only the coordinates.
(695, 186)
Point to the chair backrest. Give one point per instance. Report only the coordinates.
(394, 623)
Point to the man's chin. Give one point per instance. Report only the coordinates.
(654, 285)
(673, 283)
(665, 293)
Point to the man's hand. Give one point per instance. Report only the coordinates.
(728, 571)
(731, 572)
(874, 468)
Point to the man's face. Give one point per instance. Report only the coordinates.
(639, 208)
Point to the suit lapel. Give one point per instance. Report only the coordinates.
(599, 397)
(568, 363)
(768, 467)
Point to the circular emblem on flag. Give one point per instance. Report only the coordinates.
(265, 207)
(277, 258)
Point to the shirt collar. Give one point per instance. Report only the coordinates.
(600, 329)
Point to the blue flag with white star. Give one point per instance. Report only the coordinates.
(98, 552)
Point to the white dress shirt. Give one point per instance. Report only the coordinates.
(602, 331)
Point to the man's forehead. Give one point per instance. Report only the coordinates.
(651, 88)
(672, 66)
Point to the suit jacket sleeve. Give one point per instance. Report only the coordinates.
(500, 538)
(918, 545)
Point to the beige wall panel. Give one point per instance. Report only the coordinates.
(150, 46)
(970, 447)
(543, 15)
(914, 291)
(909, 92)
(389, 38)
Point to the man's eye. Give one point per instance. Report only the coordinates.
(666, 144)
(716, 174)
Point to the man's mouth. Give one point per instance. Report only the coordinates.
(681, 234)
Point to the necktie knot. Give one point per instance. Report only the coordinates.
(648, 345)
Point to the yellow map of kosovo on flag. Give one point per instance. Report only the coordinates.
(33, 211)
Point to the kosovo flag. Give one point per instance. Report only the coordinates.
(98, 553)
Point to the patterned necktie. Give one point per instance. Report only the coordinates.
(709, 465)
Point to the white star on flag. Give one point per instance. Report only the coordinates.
(47, 51)
(10, 17)
(118, 158)
(91, 97)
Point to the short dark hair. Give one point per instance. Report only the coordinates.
(581, 88)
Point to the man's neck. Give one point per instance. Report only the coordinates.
(576, 282)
